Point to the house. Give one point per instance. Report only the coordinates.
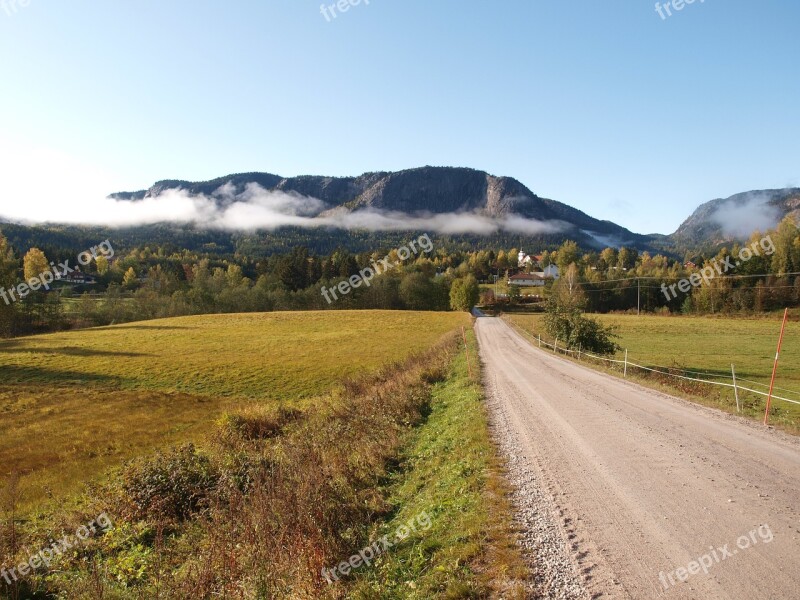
(526, 280)
(525, 260)
(79, 278)
(551, 271)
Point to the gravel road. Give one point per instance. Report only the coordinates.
(624, 492)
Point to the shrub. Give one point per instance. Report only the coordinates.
(174, 485)
(577, 331)
(258, 423)
(564, 319)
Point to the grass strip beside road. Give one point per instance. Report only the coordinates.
(450, 470)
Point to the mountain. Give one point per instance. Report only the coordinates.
(418, 193)
(732, 219)
(464, 208)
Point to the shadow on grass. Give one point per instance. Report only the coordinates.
(11, 374)
(70, 351)
(141, 327)
(397, 466)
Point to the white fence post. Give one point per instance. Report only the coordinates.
(735, 388)
(626, 363)
(555, 347)
(540, 340)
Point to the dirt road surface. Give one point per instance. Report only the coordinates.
(637, 485)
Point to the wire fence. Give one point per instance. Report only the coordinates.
(629, 365)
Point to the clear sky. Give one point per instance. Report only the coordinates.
(602, 105)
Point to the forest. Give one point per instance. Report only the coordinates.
(142, 282)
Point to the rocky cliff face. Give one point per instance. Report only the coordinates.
(431, 190)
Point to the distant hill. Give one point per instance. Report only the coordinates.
(734, 219)
(422, 191)
(380, 210)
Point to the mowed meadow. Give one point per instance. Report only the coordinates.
(74, 404)
(710, 345)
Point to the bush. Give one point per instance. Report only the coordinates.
(174, 485)
(565, 321)
(576, 331)
(257, 423)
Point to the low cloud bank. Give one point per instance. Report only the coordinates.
(258, 209)
(740, 217)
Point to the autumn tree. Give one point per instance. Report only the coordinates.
(626, 258)
(129, 280)
(8, 264)
(464, 293)
(34, 264)
(784, 238)
(565, 321)
(608, 259)
(102, 265)
(568, 253)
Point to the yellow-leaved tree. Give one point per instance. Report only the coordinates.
(102, 265)
(130, 279)
(35, 263)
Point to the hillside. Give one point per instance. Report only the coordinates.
(735, 218)
(463, 208)
(410, 195)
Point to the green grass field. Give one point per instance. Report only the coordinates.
(711, 345)
(73, 404)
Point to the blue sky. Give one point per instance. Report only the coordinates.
(602, 105)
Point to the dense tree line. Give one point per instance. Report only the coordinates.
(756, 276)
(144, 282)
(147, 283)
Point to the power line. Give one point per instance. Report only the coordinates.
(643, 278)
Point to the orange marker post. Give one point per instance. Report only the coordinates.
(775, 368)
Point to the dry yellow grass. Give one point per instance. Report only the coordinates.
(73, 404)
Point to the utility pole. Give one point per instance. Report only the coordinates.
(638, 297)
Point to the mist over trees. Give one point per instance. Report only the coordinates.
(147, 282)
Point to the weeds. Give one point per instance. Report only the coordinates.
(276, 494)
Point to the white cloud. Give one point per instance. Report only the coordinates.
(741, 217)
(41, 185)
